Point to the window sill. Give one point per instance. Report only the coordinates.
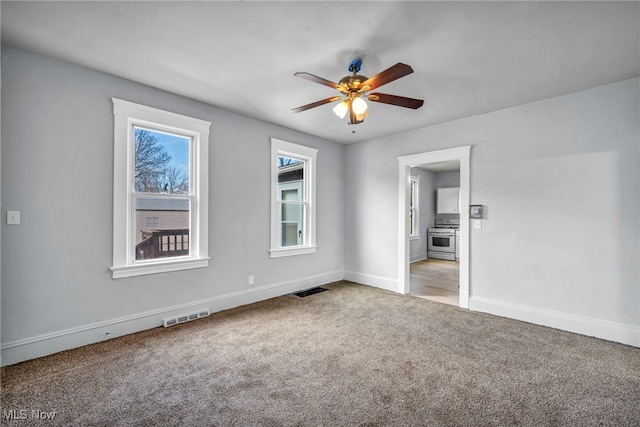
(279, 253)
(158, 267)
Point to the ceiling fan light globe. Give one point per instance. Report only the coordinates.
(359, 106)
(361, 117)
(341, 109)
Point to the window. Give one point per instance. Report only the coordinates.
(414, 214)
(293, 211)
(151, 221)
(160, 219)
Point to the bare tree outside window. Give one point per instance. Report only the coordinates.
(161, 206)
(162, 163)
(287, 161)
(175, 181)
(154, 171)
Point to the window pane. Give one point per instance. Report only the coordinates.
(290, 169)
(291, 195)
(152, 222)
(162, 227)
(291, 189)
(291, 224)
(412, 196)
(161, 162)
(411, 222)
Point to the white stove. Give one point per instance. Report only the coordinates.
(441, 239)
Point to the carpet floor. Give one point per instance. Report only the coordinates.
(350, 356)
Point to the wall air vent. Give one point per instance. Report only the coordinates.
(170, 321)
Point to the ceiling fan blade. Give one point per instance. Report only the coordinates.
(317, 79)
(316, 104)
(386, 76)
(400, 101)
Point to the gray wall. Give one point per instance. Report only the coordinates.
(559, 179)
(447, 179)
(553, 175)
(57, 169)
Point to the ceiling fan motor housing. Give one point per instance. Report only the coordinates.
(353, 82)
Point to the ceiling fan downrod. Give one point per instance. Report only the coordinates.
(354, 104)
(355, 64)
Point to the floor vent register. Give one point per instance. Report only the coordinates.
(308, 292)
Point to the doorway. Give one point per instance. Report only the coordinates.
(461, 155)
(436, 280)
(434, 271)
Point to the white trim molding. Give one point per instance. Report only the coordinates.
(307, 155)
(385, 283)
(53, 342)
(128, 115)
(604, 329)
(418, 257)
(461, 154)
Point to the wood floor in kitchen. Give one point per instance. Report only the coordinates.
(436, 280)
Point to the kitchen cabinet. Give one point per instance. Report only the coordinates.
(448, 200)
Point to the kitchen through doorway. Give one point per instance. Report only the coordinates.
(434, 202)
(443, 277)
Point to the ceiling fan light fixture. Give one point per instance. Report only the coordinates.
(359, 106)
(360, 117)
(341, 109)
(354, 88)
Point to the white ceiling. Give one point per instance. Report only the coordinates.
(469, 57)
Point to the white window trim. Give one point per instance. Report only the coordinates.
(416, 207)
(126, 116)
(309, 155)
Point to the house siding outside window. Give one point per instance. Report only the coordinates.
(293, 208)
(160, 191)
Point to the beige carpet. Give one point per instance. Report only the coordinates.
(353, 355)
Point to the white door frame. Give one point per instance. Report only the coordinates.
(461, 154)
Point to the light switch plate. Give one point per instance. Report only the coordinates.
(477, 224)
(13, 217)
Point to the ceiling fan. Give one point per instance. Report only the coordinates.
(354, 88)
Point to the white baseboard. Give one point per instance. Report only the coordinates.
(372, 280)
(42, 345)
(611, 331)
(418, 257)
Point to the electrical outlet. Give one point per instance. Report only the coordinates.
(251, 280)
(13, 217)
